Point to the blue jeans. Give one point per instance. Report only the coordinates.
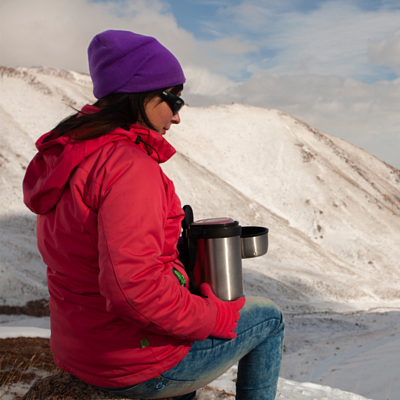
(258, 348)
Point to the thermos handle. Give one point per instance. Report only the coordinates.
(188, 217)
(188, 251)
(183, 244)
(192, 250)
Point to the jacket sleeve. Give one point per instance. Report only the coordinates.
(134, 202)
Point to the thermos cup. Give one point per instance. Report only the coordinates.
(214, 249)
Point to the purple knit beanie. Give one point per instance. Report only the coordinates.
(125, 62)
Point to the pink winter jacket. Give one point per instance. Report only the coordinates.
(107, 228)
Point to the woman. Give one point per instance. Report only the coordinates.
(122, 317)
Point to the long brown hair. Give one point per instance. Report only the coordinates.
(116, 110)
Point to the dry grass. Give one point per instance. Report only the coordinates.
(23, 360)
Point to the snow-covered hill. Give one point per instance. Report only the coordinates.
(31, 102)
(333, 210)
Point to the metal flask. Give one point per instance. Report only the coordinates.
(216, 243)
(214, 250)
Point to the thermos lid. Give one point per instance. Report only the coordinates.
(214, 222)
(215, 228)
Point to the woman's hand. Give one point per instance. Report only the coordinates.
(227, 316)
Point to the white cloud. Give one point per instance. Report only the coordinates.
(250, 16)
(249, 37)
(232, 45)
(202, 82)
(57, 33)
(329, 39)
(386, 51)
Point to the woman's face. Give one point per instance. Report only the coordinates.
(160, 114)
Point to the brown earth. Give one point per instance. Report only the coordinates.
(34, 308)
(24, 362)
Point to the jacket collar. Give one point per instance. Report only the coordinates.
(156, 146)
(58, 156)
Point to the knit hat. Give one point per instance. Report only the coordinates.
(125, 62)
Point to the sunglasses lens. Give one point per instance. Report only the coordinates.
(175, 102)
(178, 105)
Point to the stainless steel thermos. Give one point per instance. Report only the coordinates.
(214, 249)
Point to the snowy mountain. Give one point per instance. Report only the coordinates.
(31, 102)
(333, 210)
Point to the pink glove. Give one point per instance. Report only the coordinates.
(227, 316)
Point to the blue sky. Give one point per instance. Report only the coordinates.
(273, 28)
(334, 64)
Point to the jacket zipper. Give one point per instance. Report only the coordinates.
(179, 276)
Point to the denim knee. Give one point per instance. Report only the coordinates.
(260, 309)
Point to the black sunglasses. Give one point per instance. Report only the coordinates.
(174, 101)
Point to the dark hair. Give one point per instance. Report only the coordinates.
(116, 110)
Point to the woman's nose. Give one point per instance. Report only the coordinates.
(176, 119)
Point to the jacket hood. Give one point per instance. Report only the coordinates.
(49, 171)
